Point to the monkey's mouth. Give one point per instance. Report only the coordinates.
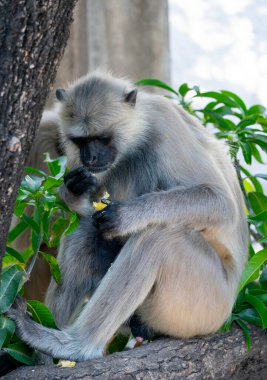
(98, 169)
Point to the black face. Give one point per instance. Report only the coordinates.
(96, 153)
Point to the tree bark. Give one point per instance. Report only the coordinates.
(220, 356)
(33, 35)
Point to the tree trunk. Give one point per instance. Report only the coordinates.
(33, 35)
(220, 356)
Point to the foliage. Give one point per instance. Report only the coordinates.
(48, 220)
(244, 129)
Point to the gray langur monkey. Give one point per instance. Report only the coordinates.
(176, 208)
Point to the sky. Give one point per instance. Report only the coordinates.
(220, 44)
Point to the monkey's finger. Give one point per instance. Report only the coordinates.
(80, 186)
(99, 216)
(76, 172)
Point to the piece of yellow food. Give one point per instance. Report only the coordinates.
(66, 364)
(98, 206)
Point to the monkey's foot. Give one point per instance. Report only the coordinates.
(61, 344)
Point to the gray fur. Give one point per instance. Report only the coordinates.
(179, 208)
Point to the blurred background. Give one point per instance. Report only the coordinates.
(216, 44)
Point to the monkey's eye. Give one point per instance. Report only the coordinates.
(105, 140)
(79, 141)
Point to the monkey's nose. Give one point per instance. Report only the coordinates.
(92, 160)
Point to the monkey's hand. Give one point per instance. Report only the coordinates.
(79, 189)
(80, 181)
(108, 221)
(18, 313)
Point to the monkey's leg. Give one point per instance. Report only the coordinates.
(76, 262)
(120, 293)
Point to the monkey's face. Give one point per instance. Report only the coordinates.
(97, 122)
(96, 153)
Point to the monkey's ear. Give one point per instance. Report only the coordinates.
(130, 97)
(61, 94)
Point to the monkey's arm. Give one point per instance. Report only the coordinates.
(200, 207)
(78, 253)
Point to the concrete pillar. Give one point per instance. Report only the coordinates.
(129, 37)
(75, 60)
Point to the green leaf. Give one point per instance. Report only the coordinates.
(56, 166)
(251, 250)
(256, 109)
(73, 225)
(31, 223)
(14, 253)
(41, 314)
(156, 83)
(52, 183)
(222, 123)
(34, 171)
(10, 282)
(117, 344)
(258, 202)
(36, 241)
(8, 326)
(259, 307)
(23, 194)
(248, 186)
(255, 153)
(250, 316)
(21, 353)
(238, 101)
(245, 332)
(263, 279)
(252, 267)
(27, 253)
(261, 217)
(220, 97)
(246, 122)
(58, 228)
(10, 261)
(246, 150)
(20, 208)
(32, 184)
(3, 335)
(263, 176)
(184, 89)
(263, 240)
(16, 231)
(256, 183)
(259, 139)
(53, 265)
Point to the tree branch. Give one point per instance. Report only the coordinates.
(220, 356)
